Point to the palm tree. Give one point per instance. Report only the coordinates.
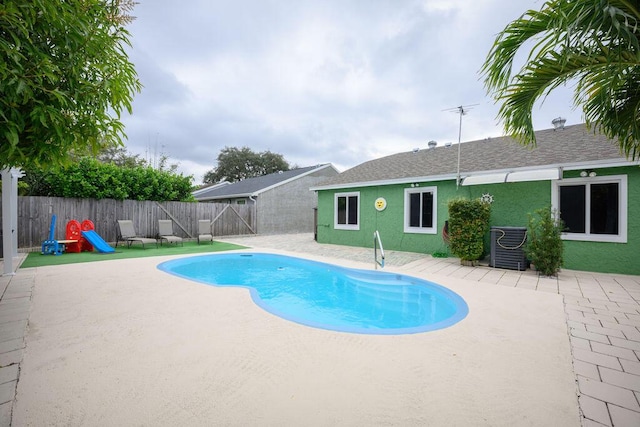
(591, 42)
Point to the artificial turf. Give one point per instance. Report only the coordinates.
(36, 259)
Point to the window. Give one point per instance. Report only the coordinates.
(347, 211)
(420, 210)
(593, 209)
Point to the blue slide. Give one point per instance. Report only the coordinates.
(98, 242)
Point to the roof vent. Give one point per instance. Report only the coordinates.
(415, 150)
(432, 144)
(448, 144)
(558, 123)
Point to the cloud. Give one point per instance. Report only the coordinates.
(331, 81)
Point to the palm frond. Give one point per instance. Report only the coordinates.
(593, 41)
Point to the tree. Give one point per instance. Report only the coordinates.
(593, 42)
(91, 178)
(119, 156)
(544, 246)
(236, 164)
(64, 77)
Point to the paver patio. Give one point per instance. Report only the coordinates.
(602, 311)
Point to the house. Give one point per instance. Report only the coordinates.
(579, 173)
(282, 200)
(208, 188)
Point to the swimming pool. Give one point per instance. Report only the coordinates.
(328, 296)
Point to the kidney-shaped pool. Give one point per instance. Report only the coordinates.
(328, 296)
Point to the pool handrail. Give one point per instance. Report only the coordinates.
(377, 242)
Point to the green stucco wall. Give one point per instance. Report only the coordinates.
(511, 206)
(621, 258)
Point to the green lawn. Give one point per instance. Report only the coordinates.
(36, 259)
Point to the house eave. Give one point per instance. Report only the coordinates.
(605, 163)
(408, 180)
(293, 178)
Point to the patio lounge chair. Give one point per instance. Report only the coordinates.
(165, 232)
(127, 233)
(204, 231)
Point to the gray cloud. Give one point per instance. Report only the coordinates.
(331, 81)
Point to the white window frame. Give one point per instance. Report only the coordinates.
(335, 211)
(621, 180)
(407, 210)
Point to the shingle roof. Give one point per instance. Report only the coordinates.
(253, 186)
(573, 145)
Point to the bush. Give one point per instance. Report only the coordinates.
(468, 223)
(544, 246)
(90, 179)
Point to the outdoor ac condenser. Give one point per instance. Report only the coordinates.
(507, 248)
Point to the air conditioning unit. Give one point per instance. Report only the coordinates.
(507, 248)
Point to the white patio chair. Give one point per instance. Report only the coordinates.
(127, 233)
(165, 232)
(204, 231)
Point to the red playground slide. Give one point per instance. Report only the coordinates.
(87, 225)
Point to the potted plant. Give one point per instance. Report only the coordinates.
(468, 223)
(544, 244)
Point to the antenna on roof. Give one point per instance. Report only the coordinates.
(462, 110)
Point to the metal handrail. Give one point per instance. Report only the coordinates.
(376, 239)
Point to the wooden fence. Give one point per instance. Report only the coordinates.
(34, 217)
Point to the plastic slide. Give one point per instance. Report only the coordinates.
(87, 225)
(98, 242)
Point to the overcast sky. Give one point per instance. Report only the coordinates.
(318, 81)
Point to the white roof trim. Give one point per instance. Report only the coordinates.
(385, 182)
(609, 163)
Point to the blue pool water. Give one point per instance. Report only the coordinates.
(328, 296)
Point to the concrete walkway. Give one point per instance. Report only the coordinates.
(15, 304)
(603, 319)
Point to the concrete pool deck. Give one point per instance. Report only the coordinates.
(120, 342)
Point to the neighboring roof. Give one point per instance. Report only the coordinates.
(254, 186)
(208, 188)
(572, 147)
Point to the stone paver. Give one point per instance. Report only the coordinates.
(624, 417)
(603, 321)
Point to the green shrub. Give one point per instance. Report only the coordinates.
(544, 246)
(468, 223)
(91, 179)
